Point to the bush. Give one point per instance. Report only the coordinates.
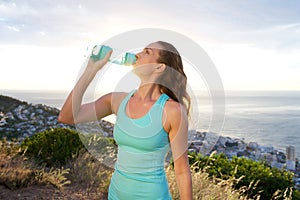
(263, 179)
(53, 147)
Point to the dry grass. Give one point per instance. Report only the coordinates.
(90, 174)
(83, 178)
(204, 187)
(15, 171)
(211, 188)
(87, 178)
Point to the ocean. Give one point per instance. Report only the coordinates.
(270, 118)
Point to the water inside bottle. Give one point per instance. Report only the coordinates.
(99, 52)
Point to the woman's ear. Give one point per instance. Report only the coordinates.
(160, 67)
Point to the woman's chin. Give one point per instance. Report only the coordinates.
(143, 70)
(136, 64)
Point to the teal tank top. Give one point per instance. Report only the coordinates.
(142, 147)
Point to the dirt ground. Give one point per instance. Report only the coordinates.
(47, 192)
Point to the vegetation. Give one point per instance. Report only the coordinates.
(39, 161)
(53, 147)
(261, 179)
(17, 170)
(8, 103)
(80, 177)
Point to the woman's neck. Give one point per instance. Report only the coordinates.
(148, 92)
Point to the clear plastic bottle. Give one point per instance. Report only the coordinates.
(99, 52)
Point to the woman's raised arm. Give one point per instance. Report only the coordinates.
(73, 111)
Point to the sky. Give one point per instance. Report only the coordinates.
(254, 44)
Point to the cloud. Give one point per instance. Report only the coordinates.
(13, 28)
(288, 26)
(262, 26)
(59, 22)
(71, 21)
(280, 37)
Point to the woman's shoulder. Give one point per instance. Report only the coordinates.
(118, 94)
(116, 99)
(174, 108)
(175, 114)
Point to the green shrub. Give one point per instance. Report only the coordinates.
(53, 147)
(263, 179)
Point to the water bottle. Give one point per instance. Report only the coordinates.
(99, 52)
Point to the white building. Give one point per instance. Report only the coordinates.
(290, 158)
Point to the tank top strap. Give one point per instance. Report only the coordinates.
(162, 100)
(129, 95)
(124, 102)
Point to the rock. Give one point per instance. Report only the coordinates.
(51, 118)
(230, 154)
(3, 122)
(10, 116)
(222, 141)
(25, 135)
(32, 115)
(252, 145)
(197, 142)
(33, 129)
(105, 134)
(40, 111)
(192, 150)
(231, 143)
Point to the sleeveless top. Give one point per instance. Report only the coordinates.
(142, 147)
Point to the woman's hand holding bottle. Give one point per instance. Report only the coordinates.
(95, 65)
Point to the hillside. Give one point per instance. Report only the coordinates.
(19, 119)
(8, 103)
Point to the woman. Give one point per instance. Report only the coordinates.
(150, 120)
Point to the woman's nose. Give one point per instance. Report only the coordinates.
(137, 55)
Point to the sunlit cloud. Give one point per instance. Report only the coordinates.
(289, 26)
(256, 38)
(13, 28)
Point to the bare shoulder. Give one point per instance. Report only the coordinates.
(175, 117)
(174, 108)
(175, 114)
(116, 98)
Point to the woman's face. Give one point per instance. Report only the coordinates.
(149, 55)
(146, 63)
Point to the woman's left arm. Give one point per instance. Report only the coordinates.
(178, 135)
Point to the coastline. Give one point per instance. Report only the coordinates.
(21, 119)
(29, 118)
(269, 118)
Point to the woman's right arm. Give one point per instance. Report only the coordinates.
(73, 111)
